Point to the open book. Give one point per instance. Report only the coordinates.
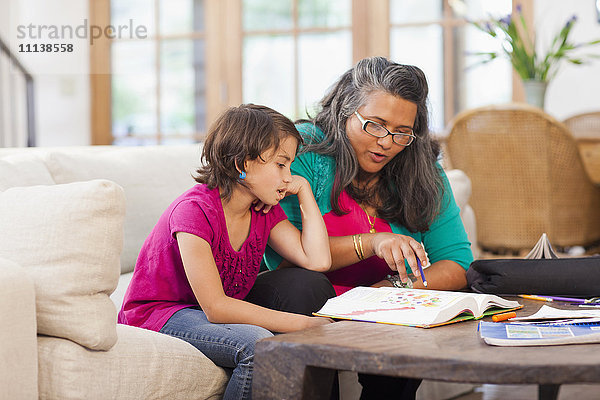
(413, 307)
(542, 249)
(529, 334)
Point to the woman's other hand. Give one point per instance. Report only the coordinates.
(395, 248)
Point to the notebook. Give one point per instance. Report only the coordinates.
(413, 307)
(547, 334)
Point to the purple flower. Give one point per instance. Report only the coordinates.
(505, 20)
(519, 8)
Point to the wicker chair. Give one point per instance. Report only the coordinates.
(584, 125)
(586, 129)
(527, 178)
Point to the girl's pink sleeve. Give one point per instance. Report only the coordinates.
(188, 216)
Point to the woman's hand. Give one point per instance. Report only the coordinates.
(395, 248)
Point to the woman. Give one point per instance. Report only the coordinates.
(372, 166)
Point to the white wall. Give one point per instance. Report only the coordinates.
(576, 88)
(62, 90)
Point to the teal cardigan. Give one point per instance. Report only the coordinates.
(446, 238)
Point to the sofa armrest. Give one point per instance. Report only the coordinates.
(18, 334)
(461, 188)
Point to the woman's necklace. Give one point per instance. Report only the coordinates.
(366, 191)
(371, 223)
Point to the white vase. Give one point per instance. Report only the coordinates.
(535, 92)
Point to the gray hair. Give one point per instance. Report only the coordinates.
(410, 186)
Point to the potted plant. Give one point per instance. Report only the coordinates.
(518, 44)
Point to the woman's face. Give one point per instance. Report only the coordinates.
(395, 114)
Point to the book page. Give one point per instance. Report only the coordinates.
(485, 301)
(416, 307)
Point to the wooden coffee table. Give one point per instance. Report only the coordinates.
(301, 365)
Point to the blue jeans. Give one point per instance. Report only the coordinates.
(228, 345)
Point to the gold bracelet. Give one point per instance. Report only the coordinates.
(362, 253)
(356, 246)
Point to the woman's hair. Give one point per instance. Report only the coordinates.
(410, 187)
(240, 133)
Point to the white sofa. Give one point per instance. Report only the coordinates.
(72, 221)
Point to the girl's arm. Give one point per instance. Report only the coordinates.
(203, 276)
(308, 248)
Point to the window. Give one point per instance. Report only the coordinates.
(158, 83)
(429, 34)
(293, 50)
(202, 56)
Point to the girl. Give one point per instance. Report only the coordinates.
(202, 257)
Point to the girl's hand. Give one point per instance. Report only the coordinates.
(298, 183)
(317, 321)
(395, 248)
(294, 187)
(259, 204)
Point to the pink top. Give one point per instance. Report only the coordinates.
(365, 272)
(159, 286)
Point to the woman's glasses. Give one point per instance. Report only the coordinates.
(403, 138)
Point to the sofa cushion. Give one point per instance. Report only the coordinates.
(18, 340)
(23, 170)
(142, 365)
(151, 176)
(68, 239)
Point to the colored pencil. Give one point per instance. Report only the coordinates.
(421, 272)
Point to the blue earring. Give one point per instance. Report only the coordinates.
(243, 175)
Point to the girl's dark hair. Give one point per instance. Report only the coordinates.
(240, 133)
(410, 187)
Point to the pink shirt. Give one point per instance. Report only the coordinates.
(365, 272)
(159, 286)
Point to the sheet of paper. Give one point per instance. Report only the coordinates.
(551, 313)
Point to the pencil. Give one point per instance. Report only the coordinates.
(421, 272)
(552, 298)
(534, 297)
(504, 316)
(572, 299)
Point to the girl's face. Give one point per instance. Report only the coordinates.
(395, 114)
(268, 180)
